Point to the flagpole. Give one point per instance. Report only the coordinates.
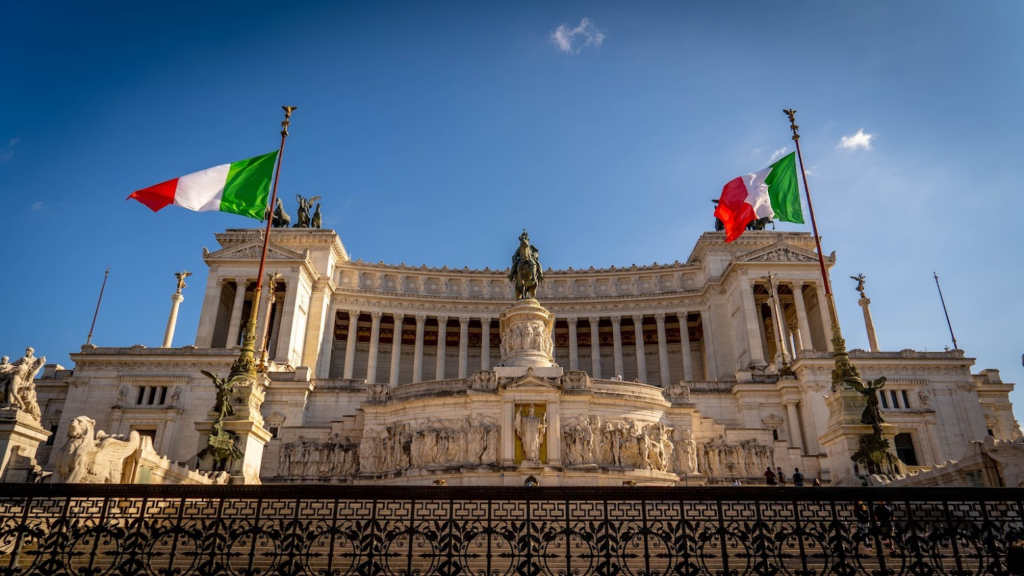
(948, 323)
(88, 339)
(844, 370)
(246, 365)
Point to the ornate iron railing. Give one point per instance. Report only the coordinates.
(331, 530)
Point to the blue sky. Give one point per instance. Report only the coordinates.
(436, 131)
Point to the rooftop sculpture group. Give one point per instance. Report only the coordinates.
(281, 219)
(16, 382)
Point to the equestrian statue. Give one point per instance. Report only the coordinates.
(526, 273)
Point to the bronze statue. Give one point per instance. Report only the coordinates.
(181, 279)
(222, 406)
(526, 273)
(317, 218)
(871, 415)
(281, 219)
(860, 278)
(304, 206)
(758, 224)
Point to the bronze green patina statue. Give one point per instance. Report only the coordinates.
(527, 273)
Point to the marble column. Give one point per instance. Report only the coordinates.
(754, 326)
(798, 341)
(574, 360)
(485, 343)
(684, 344)
(371, 360)
(617, 344)
(803, 328)
(417, 362)
(869, 324)
(826, 320)
(208, 320)
(795, 437)
(666, 377)
(595, 347)
(235, 323)
(442, 342)
(396, 348)
(350, 343)
(463, 346)
(780, 340)
(176, 299)
(323, 363)
(641, 356)
(267, 300)
(710, 360)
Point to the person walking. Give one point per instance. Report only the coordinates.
(769, 476)
(781, 476)
(798, 478)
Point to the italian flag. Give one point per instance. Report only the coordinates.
(238, 188)
(772, 193)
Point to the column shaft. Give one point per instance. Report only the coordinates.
(641, 355)
(595, 347)
(235, 324)
(442, 338)
(826, 320)
(463, 347)
(208, 317)
(574, 360)
(684, 343)
(795, 438)
(485, 343)
(396, 348)
(417, 362)
(803, 328)
(172, 320)
(869, 324)
(666, 377)
(780, 339)
(350, 343)
(371, 361)
(754, 326)
(617, 344)
(710, 358)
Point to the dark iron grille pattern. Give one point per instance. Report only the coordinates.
(386, 530)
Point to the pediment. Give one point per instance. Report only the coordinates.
(532, 381)
(252, 251)
(779, 252)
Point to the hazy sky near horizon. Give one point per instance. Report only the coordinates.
(435, 132)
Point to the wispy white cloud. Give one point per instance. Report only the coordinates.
(778, 154)
(858, 140)
(572, 40)
(7, 152)
(37, 206)
(755, 152)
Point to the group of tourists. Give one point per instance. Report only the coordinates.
(778, 477)
(885, 525)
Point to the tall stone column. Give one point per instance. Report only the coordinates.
(595, 347)
(666, 377)
(371, 361)
(780, 339)
(617, 343)
(641, 356)
(442, 343)
(865, 303)
(235, 323)
(710, 359)
(754, 326)
(267, 300)
(798, 340)
(396, 348)
(826, 320)
(176, 299)
(795, 437)
(350, 343)
(323, 363)
(574, 359)
(485, 343)
(417, 362)
(803, 328)
(463, 347)
(208, 319)
(684, 344)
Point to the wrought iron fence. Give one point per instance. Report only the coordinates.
(331, 530)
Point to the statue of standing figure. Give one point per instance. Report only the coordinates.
(531, 429)
(304, 205)
(16, 382)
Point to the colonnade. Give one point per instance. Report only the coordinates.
(787, 314)
(376, 373)
(213, 326)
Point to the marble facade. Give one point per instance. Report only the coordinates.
(660, 374)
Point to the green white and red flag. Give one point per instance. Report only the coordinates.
(238, 188)
(772, 192)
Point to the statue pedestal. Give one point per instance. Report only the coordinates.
(246, 426)
(842, 438)
(19, 432)
(526, 335)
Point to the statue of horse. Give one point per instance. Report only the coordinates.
(526, 273)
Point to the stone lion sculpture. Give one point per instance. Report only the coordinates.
(91, 457)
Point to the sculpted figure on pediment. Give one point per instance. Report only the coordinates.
(483, 381)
